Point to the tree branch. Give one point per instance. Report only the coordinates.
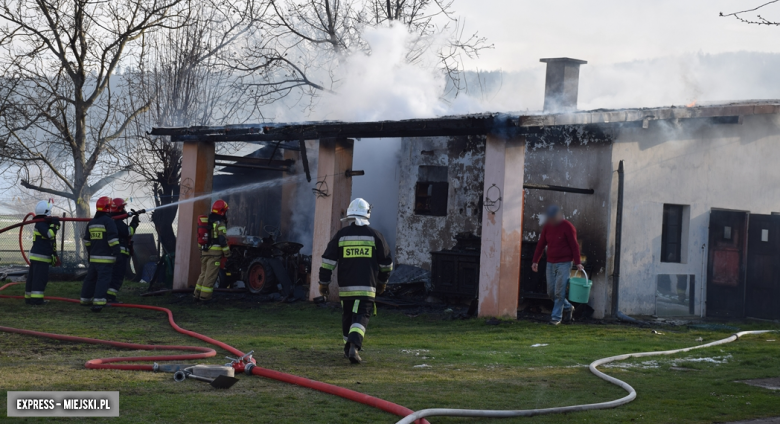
(26, 184)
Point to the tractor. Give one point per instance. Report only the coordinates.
(264, 264)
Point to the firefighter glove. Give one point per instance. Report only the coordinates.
(381, 288)
(56, 221)
(135, 221)
(324, 289)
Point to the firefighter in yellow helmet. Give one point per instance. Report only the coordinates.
(213, 251)
(364, 265)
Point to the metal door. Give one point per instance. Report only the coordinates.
(762, 286)
(726, 264)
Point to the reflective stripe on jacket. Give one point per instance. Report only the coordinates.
(363, 259)
(102, 239)
(44, 240)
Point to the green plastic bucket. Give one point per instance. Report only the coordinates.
(579, 288)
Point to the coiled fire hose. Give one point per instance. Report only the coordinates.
(253, 369)
(440, 412)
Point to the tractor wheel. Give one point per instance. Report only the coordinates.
(259, 277)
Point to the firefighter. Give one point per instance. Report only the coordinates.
(126, 233)
(42, 254)
(101, 239)
(212, 252)
(364, 265)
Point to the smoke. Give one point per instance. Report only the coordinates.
(382, 85)
(664, 81)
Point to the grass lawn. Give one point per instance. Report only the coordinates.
(468, 364)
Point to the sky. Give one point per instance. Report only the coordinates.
(611, 31)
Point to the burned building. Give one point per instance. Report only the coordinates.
(674, 206)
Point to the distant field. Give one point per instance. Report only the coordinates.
(418, 361)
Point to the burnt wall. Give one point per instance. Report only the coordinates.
(418, 235)
(572, 158)
(251, 209)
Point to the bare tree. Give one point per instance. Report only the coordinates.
(303, 42)
(58, 62)
(758, 20)
(184, 78)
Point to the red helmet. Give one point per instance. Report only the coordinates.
(220, 207)
(103, 204)
(118, 205)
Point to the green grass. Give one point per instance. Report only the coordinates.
(472, 365)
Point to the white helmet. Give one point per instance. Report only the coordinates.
(360, 211)
(43, 208)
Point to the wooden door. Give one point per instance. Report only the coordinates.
(726, 264)
(762, 285)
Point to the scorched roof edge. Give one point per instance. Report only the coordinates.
(460, 125)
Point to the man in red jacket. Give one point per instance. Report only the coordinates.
(560, 238)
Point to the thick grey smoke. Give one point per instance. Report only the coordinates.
(380, 86)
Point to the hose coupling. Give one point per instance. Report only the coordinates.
(179, 376)
(248, 368)
(156, 367)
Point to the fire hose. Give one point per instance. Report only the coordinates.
(248, 367)
(440, 412)
(63, 219)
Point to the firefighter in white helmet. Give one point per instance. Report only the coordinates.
(42, 254)
(364, 265)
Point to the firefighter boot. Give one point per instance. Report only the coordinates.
(354, 357)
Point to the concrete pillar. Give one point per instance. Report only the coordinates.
(197, 174)
(335, 158)
(502, 227)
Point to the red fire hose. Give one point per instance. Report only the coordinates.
(26, 222)
(107, 363)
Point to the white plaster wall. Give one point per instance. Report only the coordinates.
(705, 166)
(418, 235)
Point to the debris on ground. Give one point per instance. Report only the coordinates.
(539, 345)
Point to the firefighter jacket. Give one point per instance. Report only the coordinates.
(44, 247)
(126, 234)
(218, 244)
(102, 239)
(363, 259)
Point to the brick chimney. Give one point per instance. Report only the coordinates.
(561, 84)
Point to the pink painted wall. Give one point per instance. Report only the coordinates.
(197, 172)
(502, 230)
(335, 157)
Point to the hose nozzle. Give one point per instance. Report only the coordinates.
(135, 212)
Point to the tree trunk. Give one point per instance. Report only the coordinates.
(163, 218)
(82, 211)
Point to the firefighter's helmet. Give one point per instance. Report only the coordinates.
(220, 207)
(359, 208)
(118, 205)
(103, 204)
(43, 208)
